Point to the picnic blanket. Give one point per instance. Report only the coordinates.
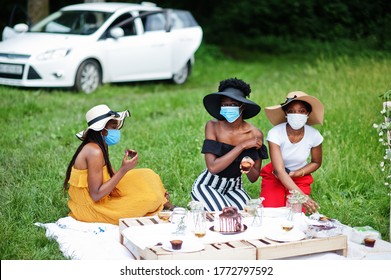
(100, 241)
(86, 241)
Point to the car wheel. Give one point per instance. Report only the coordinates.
(181, 76)
(88, 76)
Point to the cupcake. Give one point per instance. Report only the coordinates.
(176, 244)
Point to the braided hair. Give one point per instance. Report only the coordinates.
(92, 136)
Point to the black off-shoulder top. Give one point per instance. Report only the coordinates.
(233, 170)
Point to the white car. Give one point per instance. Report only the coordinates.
(84, 45)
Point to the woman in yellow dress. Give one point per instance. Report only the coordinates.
(98, 193)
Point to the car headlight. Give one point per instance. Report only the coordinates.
(54, 54)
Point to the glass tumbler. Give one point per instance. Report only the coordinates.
(199, 223)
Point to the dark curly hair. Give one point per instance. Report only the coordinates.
(235, 83)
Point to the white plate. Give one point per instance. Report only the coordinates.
(285, 236)
(188, 246)
(228, 232)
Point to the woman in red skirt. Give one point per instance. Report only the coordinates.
(292, 141)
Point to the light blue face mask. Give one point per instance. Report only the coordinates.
(230, 113)
(113, 136)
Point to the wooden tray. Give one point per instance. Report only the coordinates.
(268, 249)
(234, 250)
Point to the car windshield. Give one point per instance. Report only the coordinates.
(72, 22)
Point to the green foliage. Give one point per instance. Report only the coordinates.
(230, 22)
(167, 129)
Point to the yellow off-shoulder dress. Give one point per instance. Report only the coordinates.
(139, 193)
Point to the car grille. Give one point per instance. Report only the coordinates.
(15, 56)
(32, 74)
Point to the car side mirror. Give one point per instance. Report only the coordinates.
(117, 32)
(21, 27)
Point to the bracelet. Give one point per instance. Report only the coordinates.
(302, 172)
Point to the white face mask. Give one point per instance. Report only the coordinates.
(296, 121)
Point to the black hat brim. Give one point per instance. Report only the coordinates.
(212, 104)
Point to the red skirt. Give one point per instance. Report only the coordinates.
(273, 190)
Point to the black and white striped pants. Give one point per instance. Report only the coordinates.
(218, 192)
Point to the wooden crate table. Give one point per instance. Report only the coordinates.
(244, 249)
(237, 249)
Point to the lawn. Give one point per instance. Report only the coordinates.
(167, 129)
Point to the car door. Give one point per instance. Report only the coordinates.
(186, 37)
(143, 54)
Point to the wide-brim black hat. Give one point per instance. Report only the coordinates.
(212, 103)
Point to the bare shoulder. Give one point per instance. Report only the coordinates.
(92, 149)
(255, 131)
(211, 129)
(212, 124)
(90, 153)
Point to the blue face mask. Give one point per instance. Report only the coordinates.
(113, 136)
(230, 113)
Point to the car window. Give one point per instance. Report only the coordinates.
(125, 21)
(182, 19)
(154, 22)
(72, 22)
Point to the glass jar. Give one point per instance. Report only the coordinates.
(295, 206)
(178, 219)
(199, 222)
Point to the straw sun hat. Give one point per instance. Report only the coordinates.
(98, 116)
(276, 114)
(212, 103)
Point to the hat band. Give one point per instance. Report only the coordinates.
(97, 119)
(235, 91)
(288, 100)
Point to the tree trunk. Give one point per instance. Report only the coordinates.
(37, 9)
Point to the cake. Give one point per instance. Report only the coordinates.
(176, 244)
(230, 220)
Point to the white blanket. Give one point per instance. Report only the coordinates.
(86, 241)
(100, 241)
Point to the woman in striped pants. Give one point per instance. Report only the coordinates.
(229, 139)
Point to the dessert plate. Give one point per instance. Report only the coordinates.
(285, 236)
(324, 231)
(229, 233)
(187, 246)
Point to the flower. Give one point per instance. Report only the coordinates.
(384, 132)
(195, 205)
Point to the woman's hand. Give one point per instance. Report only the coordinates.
(130, 160)
(311, 205)
(254, 142)
(246, 165)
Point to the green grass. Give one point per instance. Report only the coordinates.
(167, 128)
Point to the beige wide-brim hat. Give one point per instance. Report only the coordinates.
(98, 116)
(276, 114)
